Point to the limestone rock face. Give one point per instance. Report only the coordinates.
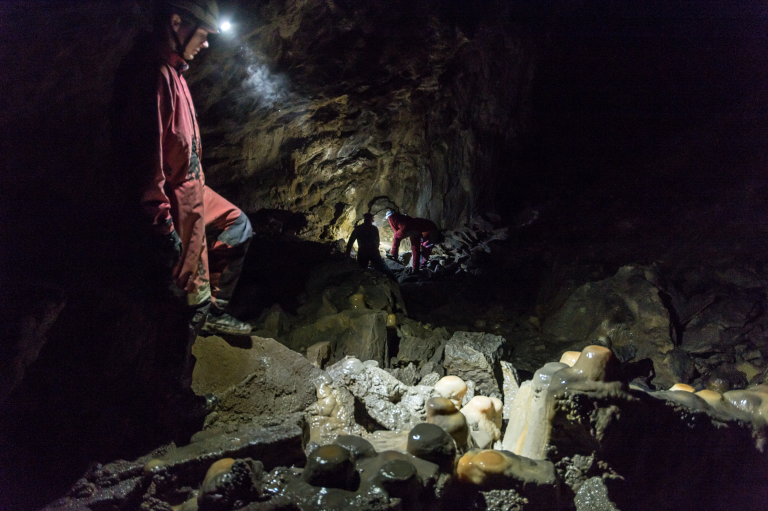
(475, 356)
(626, 312)
(326, 108)
(276, 380)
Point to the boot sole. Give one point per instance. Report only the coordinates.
(225, 330)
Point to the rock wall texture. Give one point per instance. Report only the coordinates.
(330, 107)
(312, 106)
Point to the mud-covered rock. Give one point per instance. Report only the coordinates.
(644, 442)
(622, 311)
(272, 446)
(278, 380)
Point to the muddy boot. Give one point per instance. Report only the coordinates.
(219, 321)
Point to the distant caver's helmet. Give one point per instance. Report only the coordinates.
(205, 12)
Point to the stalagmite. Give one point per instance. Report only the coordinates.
(503, 469)
(753, 400)
(518, 420)
(357, 301)
(453, 388)
(443, 412)
(530, 421)
(484, 413)
(570, 357)
(682, 387)
(511, 387)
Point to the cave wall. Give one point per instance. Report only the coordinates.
(321, 107)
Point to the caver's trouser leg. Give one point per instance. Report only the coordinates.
(228, 233)
(372, 256)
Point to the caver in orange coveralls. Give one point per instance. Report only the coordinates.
(177, 199)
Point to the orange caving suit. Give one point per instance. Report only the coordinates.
(419, 230)
(173, 192)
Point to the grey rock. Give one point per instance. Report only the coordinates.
(408, 375)
(418, 343)
(430, 379)
(475, 356)
(593, 496)
(391, 403)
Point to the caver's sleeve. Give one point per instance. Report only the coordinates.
(154, 200)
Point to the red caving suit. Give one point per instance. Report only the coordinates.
(177, 198)
(419, 230)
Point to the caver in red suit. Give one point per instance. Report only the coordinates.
(423, 234)
(156, 120)
(177, 198)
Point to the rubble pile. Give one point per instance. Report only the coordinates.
(578, 436)
(350, 404)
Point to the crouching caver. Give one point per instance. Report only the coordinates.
(424, 235)
(158, 140)
(367, 237)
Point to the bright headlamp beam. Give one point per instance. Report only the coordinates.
(225, 26)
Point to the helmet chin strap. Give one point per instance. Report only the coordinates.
(180, 48)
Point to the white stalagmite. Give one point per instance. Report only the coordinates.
(453, 388)
(540, 415)
(484, 413)
(530, 420)
(518, 421)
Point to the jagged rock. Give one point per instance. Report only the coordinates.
(319, 354)
(280, 381)
(593, 496)
(408, 375)
(417, 343)
(430, 379)
(621, 311)
(475, 356)
(389, 402)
